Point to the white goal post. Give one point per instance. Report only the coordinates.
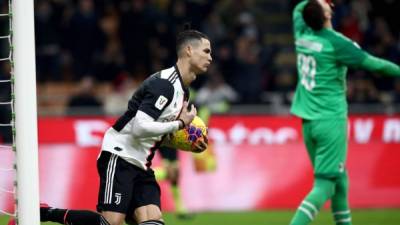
(25, 112)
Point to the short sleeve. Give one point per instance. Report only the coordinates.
(158, 95)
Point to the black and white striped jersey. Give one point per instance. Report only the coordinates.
(160, 96)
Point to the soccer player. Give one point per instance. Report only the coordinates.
(323, 56)
(128, 188)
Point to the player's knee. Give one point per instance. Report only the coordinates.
(146, 213)
(324, 188)
(341, 188)
(157, 216)
(342, 183)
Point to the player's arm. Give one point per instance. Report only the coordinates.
(381, 66)
(299, 25)
(158, 94)
(146, 126)
(350, 54)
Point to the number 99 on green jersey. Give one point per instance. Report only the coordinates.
(307, 69)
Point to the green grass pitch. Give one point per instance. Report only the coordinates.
(360, 217)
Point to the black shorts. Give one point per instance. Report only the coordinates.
(169, 154)
(123, 186)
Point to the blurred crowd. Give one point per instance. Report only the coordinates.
(118, 43)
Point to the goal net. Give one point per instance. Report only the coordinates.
(19, 188)
(7, 143)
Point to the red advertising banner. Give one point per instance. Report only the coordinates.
(261, 164)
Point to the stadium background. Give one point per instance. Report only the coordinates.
(92, 54)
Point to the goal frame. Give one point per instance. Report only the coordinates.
(26, 135)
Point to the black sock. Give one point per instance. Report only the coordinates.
(52, 214)
(152, 222)
(75, 217)
(84, 217)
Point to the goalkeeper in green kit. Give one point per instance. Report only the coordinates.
(323, 56)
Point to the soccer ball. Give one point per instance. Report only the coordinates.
(185, 138)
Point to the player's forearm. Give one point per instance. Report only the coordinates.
(381, 66)
(145, 126)
(298, 10)
(298, 21)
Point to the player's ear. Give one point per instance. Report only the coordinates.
(189, 50)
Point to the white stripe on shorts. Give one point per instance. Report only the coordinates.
(110, 179)
(107, 178)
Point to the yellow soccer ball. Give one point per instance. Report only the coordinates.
(185, 138)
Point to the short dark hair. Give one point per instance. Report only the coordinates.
(313, 15)
(186, 36)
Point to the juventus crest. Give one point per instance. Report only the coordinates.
(117, 198)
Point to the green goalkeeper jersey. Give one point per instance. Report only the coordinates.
(322, 60)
